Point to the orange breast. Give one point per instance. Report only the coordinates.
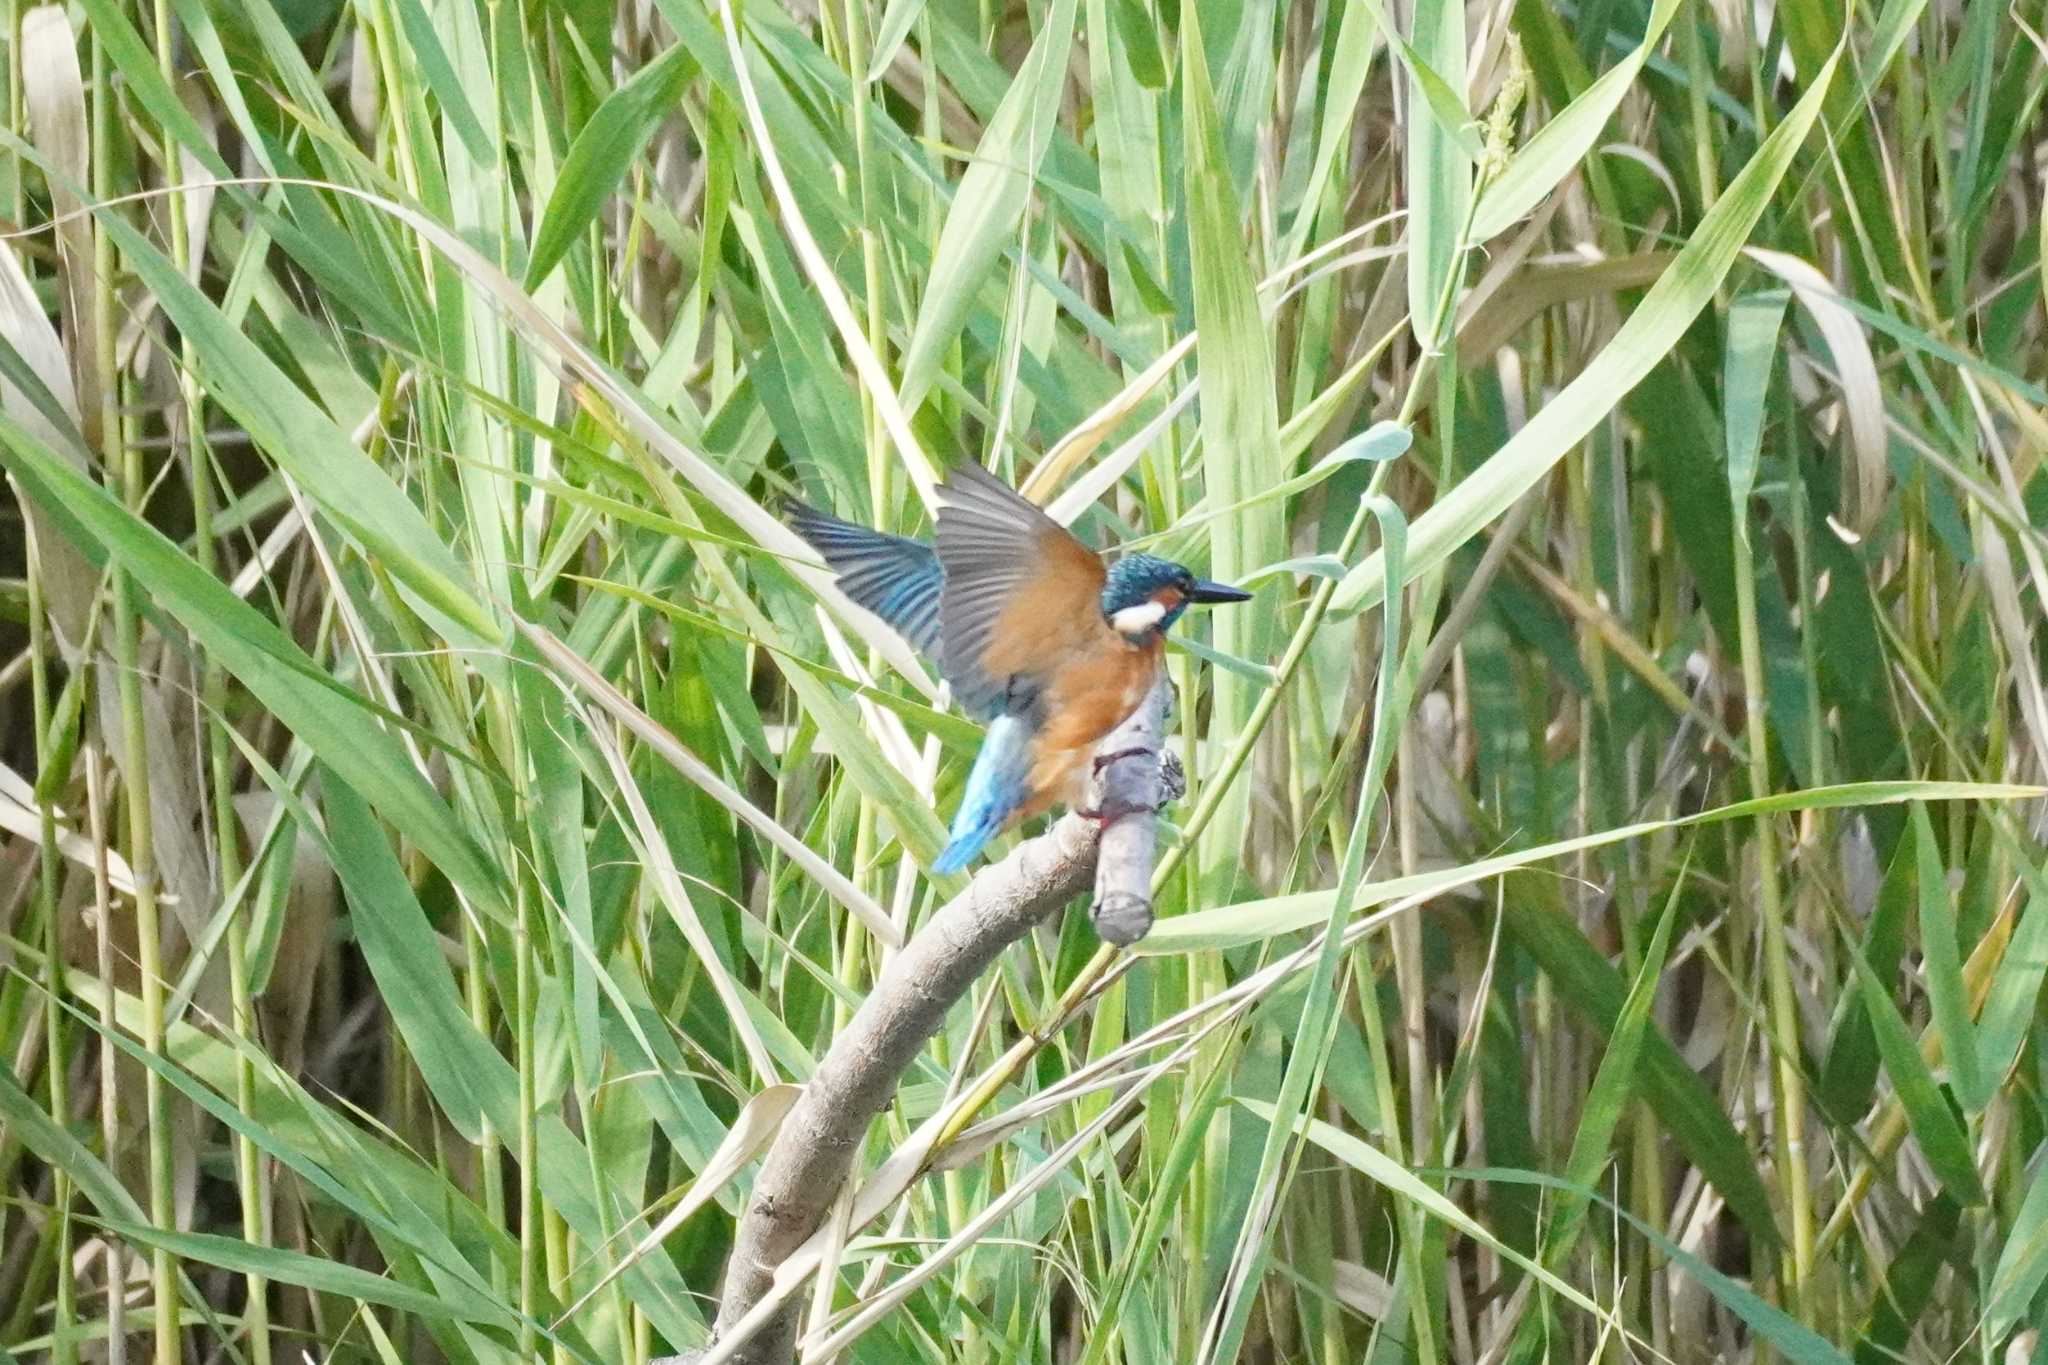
(1089, 695)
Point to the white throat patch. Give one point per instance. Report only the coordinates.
(1136, 621)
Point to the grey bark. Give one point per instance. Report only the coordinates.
(1129, 790)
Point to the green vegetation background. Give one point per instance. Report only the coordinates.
(438, 814)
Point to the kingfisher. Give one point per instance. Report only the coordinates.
(1042, 641)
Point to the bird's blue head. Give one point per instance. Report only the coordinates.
(1145, 594)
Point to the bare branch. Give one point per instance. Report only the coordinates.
(815, 1149)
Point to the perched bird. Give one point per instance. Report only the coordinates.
(1041, 640)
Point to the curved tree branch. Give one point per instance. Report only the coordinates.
(815, 1149)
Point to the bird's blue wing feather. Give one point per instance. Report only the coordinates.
(997, 786)
(896, 578)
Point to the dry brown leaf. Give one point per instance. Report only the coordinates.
(24, 821)
(1546, 284)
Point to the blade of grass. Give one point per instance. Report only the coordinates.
(275, 670)
(605, 148)
(2023, 1263)
(1942, 958)
(1934, 1124)
(1642, 341)
(1612, 1085)
(2009, 1005)
(990, 201)
(1240, 420)
(1231, 926)
(1441, 153)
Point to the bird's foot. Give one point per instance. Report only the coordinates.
(1104, 760)
(1109, 815)
(1105, 814)
(1173, 778)
(1173, 784)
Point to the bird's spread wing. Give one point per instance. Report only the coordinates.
(1019, 590)
(896, 578)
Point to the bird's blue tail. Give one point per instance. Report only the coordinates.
(966, 845)
(995, 789)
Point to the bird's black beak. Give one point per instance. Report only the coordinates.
(1216, 594)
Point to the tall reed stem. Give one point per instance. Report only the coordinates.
(64, 1345)
(123, 459)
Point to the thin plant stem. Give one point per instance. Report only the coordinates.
(125, 461)
(1783, 1015)
(490, 1177)
(109, 1024)
(189, 429)
(531, 1233)
(63, 1324)
(17, 110)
